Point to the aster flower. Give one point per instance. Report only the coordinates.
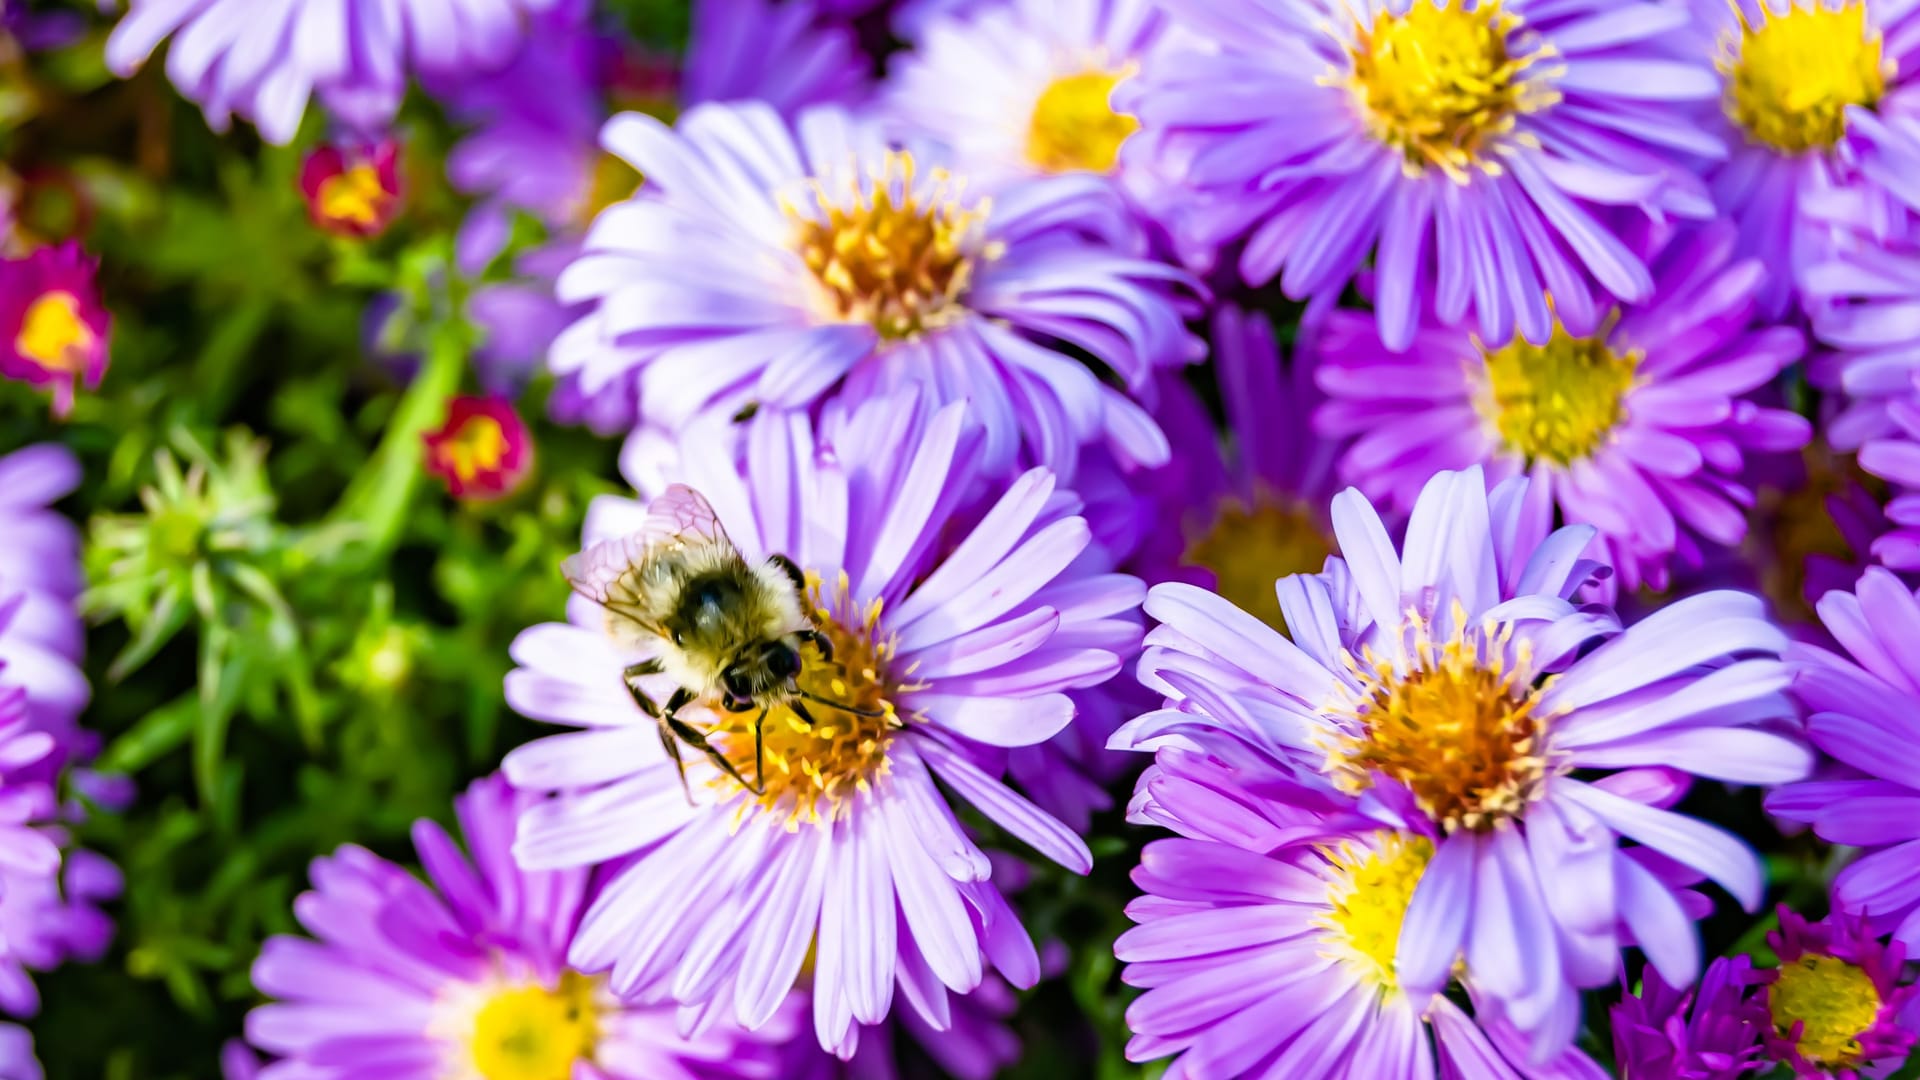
(42, 640)
(1816, 517)
(53, 329)
(1450, 690)
(483, 450)
(787, 53)
(1859, 702)
(352, 190)
(818, 259)
(1834, 1001)
(1709, 1032)
(49, 919)
(1640, 429)
(463, 977)
(974, 1044)
(262, 62)
(1485, 155)
(1286, 962)
(1818, 95)
(953, 633)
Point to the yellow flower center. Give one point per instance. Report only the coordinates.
(813, 768)
(533, 1033)
(1442, 83)
(53, 335)
(1370, 887)
(1836, 1000)
(478, 447)
(1249, 546)
(1075, 127)
(1790, 79)
(1557, 402)
(886, 254)
(1457, 726)
(613, 181)
(1795, 525)
(355, 195)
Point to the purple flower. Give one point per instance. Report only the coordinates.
(975, 1042)
(764, 267)
(42, 640)
(1859, 704)
(17, 1059)
(1484, 155)
(1711, 1032)
(1818, 95)
(1288, 961)
(1835, 1001)
(48, 919)
(1816, 519)
(262, 62)
(464, 977)
(53, 328)
(962, 636)
(787, 53)
(1640, 429)
(1451, 690)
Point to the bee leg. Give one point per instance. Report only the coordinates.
(759, 751)
(640, 698)
(800, 711)
(673, 751)
(693, 738)
(792, 570)
(820, 641)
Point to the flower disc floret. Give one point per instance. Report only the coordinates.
(1075, 127)
(1792, 78)
(1559, 402)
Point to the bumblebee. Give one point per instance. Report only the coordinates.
(727, 631)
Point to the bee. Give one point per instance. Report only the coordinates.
(727, 631)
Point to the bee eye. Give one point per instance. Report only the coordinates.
(782, 661)
(735, 684)
(679, 638)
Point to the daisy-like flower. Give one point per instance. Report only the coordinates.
(1485, 155)
(787, 53)
(974, 1044)
(1818, 95)
(1640, 429)
(483, 450)
(42, 642)
(262, 62)
(53, 329)
(462, 978)
(1025, 88)
(49, 919)
(771, 266)
(1860, 702)
(953, 638)
(1287, 962)
(1834, 1003)
(352, 190)
(1816, 517)
(1708, 1032)
(1451, 690)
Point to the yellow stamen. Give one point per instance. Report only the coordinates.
(529, 1032)
(478, 447)
(1454, 721)
(1074, 126)
(1442, 84)
(1791, 79)
(889, 255)
(1836, 1000)
(354, 195)
(1250, 545)
(53, 335)
(1557, 402)
(1370, 887)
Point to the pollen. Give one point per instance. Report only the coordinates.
(1835, 1001)
(1456, 721)
(1371, 886)
(1075, 127)
(355, 196)
(1791, 79)
(812, 769)
(890, 251)
(477, 448)
(529, 1032)
(1557, 402)
(53, 335)
(1444, 83)
(1250, 544)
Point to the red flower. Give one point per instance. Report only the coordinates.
(53, 329)
(482, 451)
(353, 192)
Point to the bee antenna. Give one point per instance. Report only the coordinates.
(841, 705)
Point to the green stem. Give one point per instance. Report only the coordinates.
(377, 501)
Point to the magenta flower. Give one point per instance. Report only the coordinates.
(1709, 1032)
(774, 267)
(1641, 429)
(1484, 155)
(352, 190)
(463, 977)
(1834, 1003)
(53, 329)
(1860, 702)
(1452, 691)
(961, 636)
(482, 451)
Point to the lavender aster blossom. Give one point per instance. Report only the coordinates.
(41, 642)
(961, 638)
(1861, 701)
(263, 61)
(770, 266)
(463, 978)
(1835, 1002)
(1709, 1032)
(1451, 691)
(1641, 429)
(787, 53)
(1485, 155)
(1819, 95)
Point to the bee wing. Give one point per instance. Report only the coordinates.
(599, 573)
(681, 516)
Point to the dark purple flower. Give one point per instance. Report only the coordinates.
(1709, 1032)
